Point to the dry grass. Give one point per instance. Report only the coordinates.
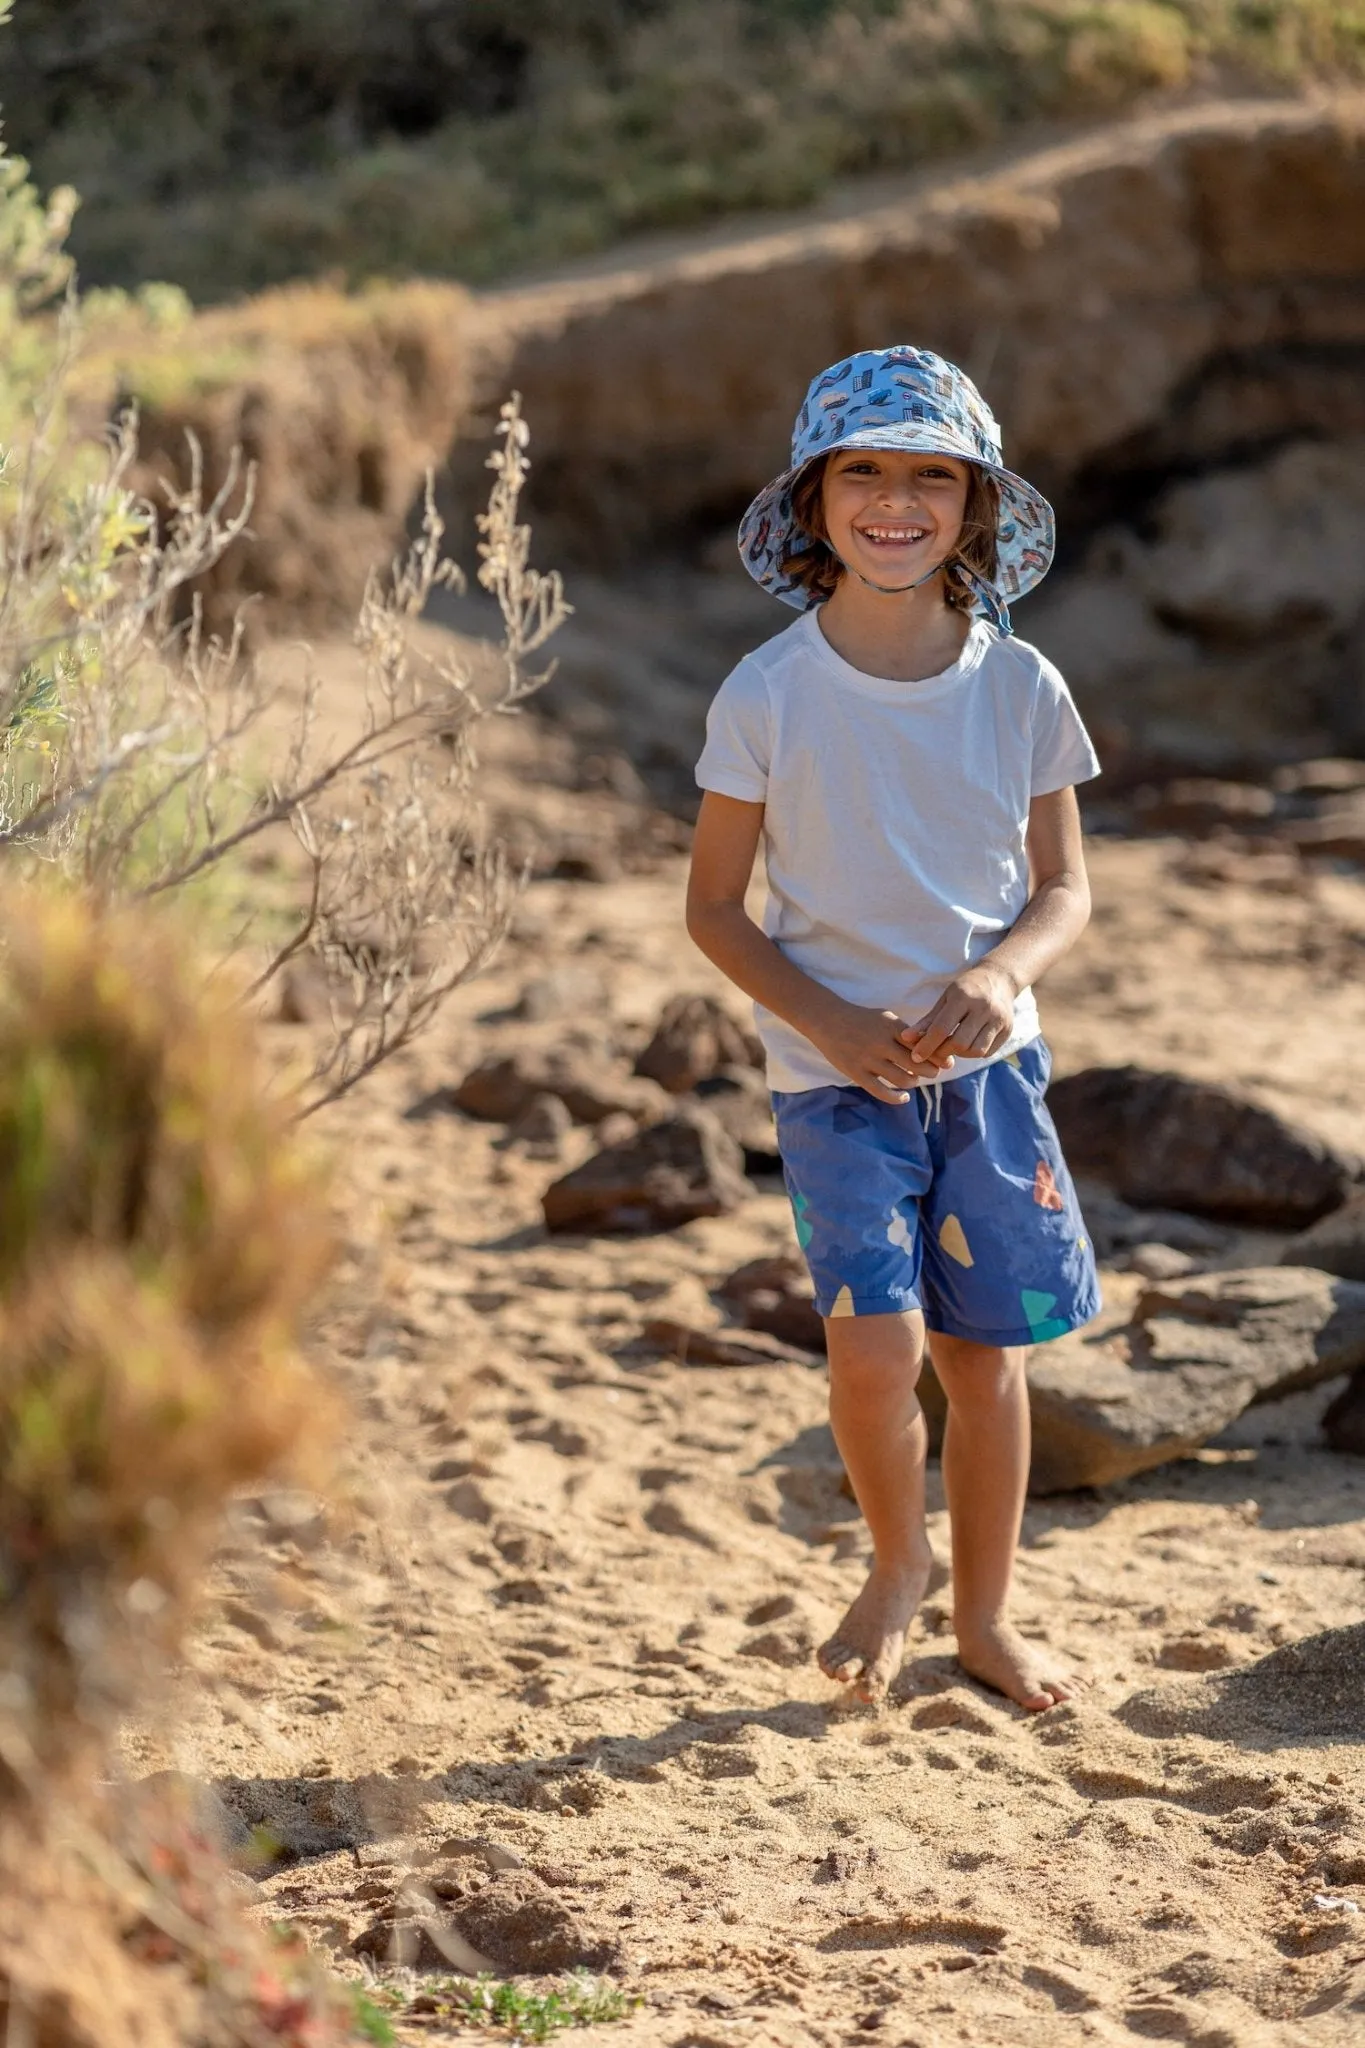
(461, 142)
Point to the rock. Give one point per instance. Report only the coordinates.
(1243, 553)
(1159, 1138)
(776, 1295)
(1115, 1226)
(503, 1086)
(693, 1346)
(738, 1098)
(694, 1038)
(1335, 776)
(1335, 832)
(670, 1173)
(1336, 1242)
(615, 1129)
(1159, 1262)
(565, 994)
(1343, 1424)
(523, 1926)
(1195, 1354)
(1198, 804)
(541, 1128)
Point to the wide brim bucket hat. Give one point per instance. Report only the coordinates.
(910, 399)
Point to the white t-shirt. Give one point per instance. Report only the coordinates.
(894, 817)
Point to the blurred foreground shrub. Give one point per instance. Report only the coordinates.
(232, 147)
(160, 1233)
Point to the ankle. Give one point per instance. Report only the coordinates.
(907, 1561)
(977, 1623)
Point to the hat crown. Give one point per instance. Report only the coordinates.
(904, 393)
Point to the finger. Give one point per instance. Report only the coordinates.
(885, 1091)
(929, 1067)
(899, 1061)
(937, 1035)
(986, 1040)
(932, 1070)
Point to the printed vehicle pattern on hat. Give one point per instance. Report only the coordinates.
(911, 399)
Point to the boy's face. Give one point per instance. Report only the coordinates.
(893, 515)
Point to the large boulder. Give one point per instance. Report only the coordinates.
(1195, 1354)
(1161, 1139)
(670, 1173)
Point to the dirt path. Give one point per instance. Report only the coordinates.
(570, 1604)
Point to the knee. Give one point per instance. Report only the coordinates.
(874, 1358)
(977, 1374)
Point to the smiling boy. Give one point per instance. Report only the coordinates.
(909, 768)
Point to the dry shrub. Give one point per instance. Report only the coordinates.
(140, 755)
(159, 1237)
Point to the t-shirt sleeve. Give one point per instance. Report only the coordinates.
(1062, 748)
(738, 748)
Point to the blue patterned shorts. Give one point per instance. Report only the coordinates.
(957, 1202)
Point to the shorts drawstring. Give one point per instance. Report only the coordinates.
(933, 1092)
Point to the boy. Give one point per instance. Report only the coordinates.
(910, 768)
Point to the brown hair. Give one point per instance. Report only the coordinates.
(817, 569)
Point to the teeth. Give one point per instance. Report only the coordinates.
(896, 532)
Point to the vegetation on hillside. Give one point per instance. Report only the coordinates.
(143, 754)
(233, 146)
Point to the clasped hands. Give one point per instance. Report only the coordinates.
(883, 1054)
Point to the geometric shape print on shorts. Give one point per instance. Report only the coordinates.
(949, 1194)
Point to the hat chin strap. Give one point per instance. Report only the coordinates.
(989, 600)
(890, 589)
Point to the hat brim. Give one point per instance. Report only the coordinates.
(1026, 537)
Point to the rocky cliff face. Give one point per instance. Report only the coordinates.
(1177, 298)
(1168, 316)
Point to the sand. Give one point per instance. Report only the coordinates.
(566, 1600)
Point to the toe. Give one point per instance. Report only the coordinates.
(877, 1680)
(839, 1660)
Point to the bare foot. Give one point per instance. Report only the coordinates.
(865, 1650)
(999, 1656)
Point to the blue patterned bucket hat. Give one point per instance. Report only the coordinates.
(902, 398)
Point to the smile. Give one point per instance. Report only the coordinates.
(893, 536)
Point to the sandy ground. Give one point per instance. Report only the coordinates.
(568, 1599)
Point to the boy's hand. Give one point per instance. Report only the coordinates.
(870, 1047)
(973, 1016)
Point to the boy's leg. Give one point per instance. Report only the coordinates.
(985, 1473)
(874, 1362)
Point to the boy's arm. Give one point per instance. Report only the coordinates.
(864, 1044)
(975, 1013)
